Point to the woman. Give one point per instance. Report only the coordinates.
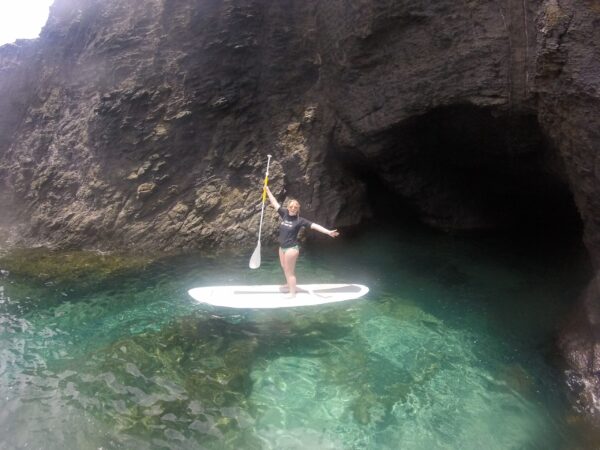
(290, 226)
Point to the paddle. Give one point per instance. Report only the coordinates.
(255, 258)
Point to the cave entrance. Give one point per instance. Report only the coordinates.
(469, 169)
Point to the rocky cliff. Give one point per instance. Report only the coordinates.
(147, 123)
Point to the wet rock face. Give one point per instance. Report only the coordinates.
(146, 124)
(569, 92)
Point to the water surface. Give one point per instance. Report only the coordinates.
(453, 348)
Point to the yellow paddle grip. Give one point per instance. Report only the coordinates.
(265, 189)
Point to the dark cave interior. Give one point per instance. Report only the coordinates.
(462, 168)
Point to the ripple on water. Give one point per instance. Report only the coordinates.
(296, 404)
(453, 400)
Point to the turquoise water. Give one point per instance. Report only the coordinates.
(451, 349)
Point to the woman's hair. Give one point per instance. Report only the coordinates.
(294, 201)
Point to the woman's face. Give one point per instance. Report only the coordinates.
(294, 208)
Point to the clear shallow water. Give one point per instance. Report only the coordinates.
(451, 349)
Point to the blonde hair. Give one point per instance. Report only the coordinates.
(292, 201)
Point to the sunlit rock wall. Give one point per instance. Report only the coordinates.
(148, 124)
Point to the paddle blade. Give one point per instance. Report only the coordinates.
(255, 258)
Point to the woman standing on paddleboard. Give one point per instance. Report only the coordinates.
(289, 248)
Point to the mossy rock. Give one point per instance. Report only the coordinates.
(43, 265)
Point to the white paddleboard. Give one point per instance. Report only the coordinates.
(273, 296)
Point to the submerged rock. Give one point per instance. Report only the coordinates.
(200, 373)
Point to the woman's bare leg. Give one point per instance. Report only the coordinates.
(282, 262)
(290, 258)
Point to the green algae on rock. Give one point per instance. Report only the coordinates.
(45, 265)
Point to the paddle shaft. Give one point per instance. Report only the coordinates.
(264, 197)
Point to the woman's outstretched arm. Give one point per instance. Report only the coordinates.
(332, 233)
(272, 198)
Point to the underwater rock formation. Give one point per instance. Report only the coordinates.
(146, 124)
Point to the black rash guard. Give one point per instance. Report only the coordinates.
(290, 227)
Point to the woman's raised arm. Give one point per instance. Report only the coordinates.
(272, 198)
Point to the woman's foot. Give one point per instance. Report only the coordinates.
(284, 288)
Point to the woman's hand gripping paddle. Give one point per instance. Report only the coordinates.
(255, 258)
